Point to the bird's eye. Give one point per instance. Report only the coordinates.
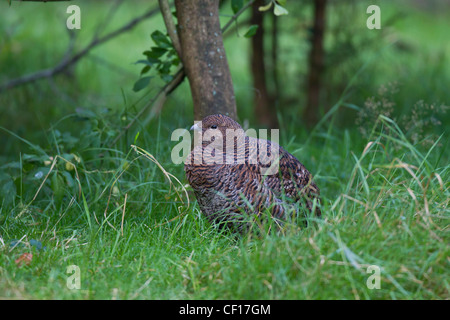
(213, 126)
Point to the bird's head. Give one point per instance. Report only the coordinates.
(217, 125)
(216, 122)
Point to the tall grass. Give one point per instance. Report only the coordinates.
(133, 235)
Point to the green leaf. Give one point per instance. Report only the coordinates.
(11, 165)
(167, 77)
(279, 10)
(161, 40)
(251, 31)
(141, 83)
(237, 5)
(165, 67)
(152, 57)
(155, 53)
(266, 7)
(146, 62)
(69, 180)
(145, 70)
(85, 113)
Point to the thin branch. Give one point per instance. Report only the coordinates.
(109, 17)
(170, 25)
(238, 26)
(68, 61)
(236, 15)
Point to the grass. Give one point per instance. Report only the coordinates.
(68, 198)
(133, 237)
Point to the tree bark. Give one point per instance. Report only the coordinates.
(262, 101)
(204, 58)
(316, 56)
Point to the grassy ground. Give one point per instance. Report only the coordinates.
(391, 211)
(69, 199)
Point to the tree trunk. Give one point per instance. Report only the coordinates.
(262, 102)
(315, 63)
(204, 58)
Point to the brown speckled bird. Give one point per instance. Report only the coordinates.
(234, 182)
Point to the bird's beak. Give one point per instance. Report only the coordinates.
(197, 126)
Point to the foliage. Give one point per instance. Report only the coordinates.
(278, 7)
(161, 57)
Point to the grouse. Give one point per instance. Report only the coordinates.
(235, 176)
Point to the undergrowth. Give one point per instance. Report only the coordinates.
(132, 226)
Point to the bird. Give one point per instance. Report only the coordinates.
(235, 176)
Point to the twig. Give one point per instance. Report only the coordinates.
(170, 26)
(66, 62)
(238, 26)
(138, 291)
(109, 17)
(236, 15)
(17, 243)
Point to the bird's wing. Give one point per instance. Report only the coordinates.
(288, 177)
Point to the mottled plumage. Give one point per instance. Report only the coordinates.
(230, 184)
